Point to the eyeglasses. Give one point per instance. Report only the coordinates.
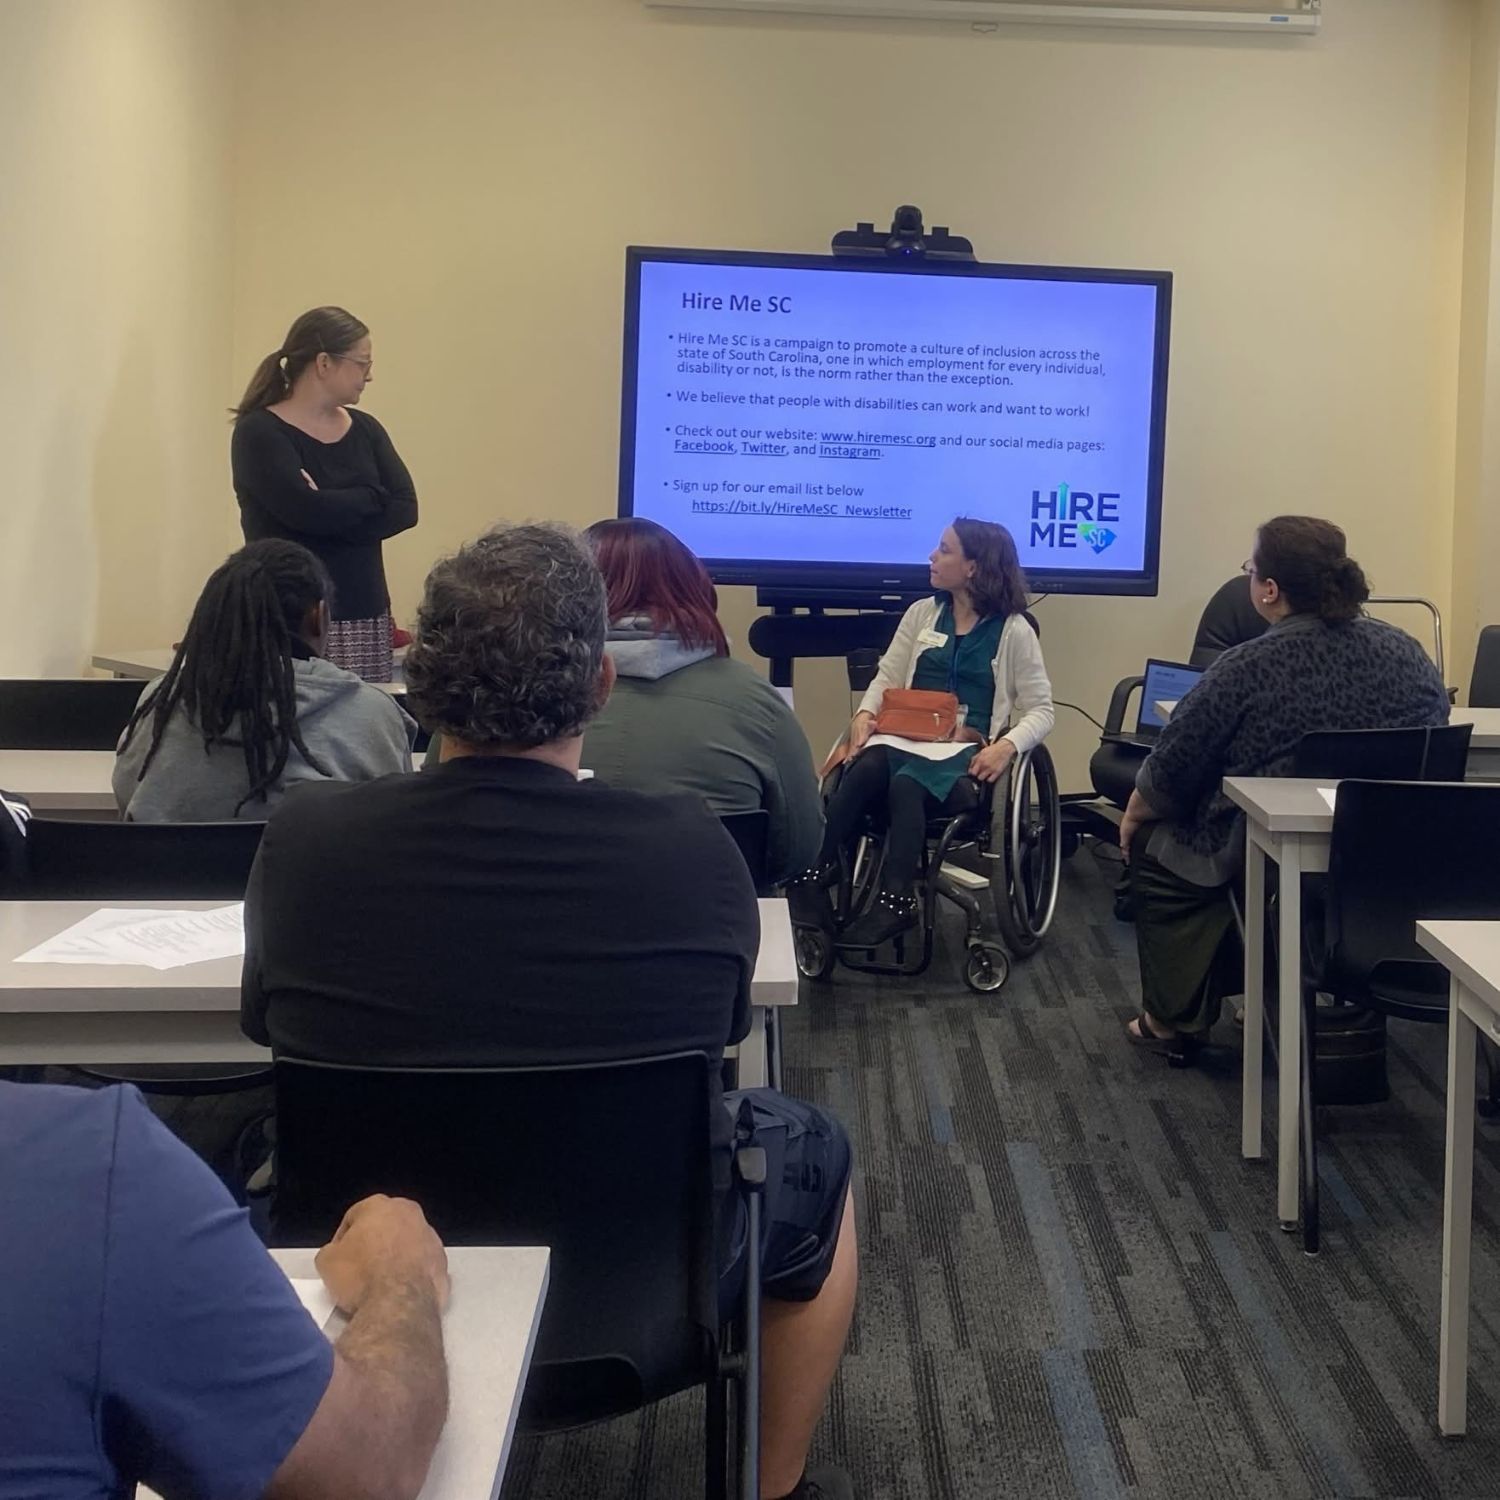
(1248, 568)
(365, 364)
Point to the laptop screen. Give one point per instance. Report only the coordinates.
(1166, 683)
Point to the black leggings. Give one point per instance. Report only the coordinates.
(869, 783)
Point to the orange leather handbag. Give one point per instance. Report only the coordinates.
(917, 714)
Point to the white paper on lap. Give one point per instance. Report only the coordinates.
(927, 749)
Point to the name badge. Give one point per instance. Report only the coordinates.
(931, 638)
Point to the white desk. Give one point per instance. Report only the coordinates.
(489, 1332)
(1484, 744)
(60, 780)
(1288, 821)
(155, 660)
(88, 1013)
(1166, 707)
(70, 781)
(1471, 953)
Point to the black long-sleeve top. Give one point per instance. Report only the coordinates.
(364, 495)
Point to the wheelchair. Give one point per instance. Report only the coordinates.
(1004, 850)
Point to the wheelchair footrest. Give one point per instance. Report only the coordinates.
(969, 879)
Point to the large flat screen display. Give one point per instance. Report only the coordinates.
(815, 421)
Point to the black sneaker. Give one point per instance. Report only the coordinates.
(826, 1482)
(889, 915)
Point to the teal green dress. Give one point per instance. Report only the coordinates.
(964, 666)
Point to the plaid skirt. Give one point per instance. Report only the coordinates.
(362, 647)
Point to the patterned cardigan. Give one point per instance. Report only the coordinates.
(1246, 714)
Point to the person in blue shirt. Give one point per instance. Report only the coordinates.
(147, 1337)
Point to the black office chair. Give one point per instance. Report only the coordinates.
(83, 713)
(609, 1165)
(1435, 754)
(75, 860)
(1484, 685)
(1401, 852)
(751, 832)
(1228, 619)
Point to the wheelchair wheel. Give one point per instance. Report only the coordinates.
(1026, 852)
(814, 952)
(986, 968)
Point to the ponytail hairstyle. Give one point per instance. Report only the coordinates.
(322, 330)
(1307, 560)
(233, 675)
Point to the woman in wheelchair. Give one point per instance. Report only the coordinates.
(971, 639)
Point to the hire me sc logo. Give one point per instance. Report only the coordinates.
(1065, 517)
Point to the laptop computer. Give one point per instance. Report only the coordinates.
(1166, 683)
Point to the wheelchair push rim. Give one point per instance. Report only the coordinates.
(1027, 865)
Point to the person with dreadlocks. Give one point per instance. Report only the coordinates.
(249, 706)
(310, 467)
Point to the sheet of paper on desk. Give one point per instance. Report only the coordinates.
(314, 1297)
(156, 939)
(1329, 794)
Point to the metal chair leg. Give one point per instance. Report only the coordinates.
(1309, 1124)
(716, 1440)
(751, 1163)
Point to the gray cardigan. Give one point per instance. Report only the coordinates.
(355, 731)
(1246, 714)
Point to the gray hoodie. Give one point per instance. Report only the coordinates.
(354, 730)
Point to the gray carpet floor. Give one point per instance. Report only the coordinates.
(1073, 1286)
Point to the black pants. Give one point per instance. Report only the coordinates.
(869, 785)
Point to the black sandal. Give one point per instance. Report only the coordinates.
(1178, 1049)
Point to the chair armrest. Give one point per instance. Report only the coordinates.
(1119, 701)
(750, 1167)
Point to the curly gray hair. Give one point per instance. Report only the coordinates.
(509, 642)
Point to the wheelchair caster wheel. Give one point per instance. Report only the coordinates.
(986, 969)
(814, 952)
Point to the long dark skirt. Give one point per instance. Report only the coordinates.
(1188, 945)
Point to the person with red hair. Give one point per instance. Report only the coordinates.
(684, 715)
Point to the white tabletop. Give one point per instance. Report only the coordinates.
(1468, 950)
(1486, 722)
(153, 661)
(70, 780)
(1282, 804)
(215, 985)
(489, 1332)
(1166, 707)
(60, 780)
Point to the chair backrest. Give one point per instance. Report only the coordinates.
(1436, 754)
(751, 832)
(1484, 685)
(81, 713)
(1402, 852)
(75, 860)
(609, 1165)
(1228, 619)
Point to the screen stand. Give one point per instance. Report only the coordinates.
(798, 626)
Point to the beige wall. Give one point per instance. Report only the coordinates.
(1476, 529)
(465, 174)
(114, 326)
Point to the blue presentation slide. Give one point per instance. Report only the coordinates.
(842, 417)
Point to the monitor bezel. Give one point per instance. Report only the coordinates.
(874, 577)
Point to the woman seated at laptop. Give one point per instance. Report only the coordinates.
(1323, 664)
(972, 639)
(249, 706)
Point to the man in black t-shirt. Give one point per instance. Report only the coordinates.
(496, 910)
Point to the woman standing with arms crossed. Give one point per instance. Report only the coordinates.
(310, 468)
